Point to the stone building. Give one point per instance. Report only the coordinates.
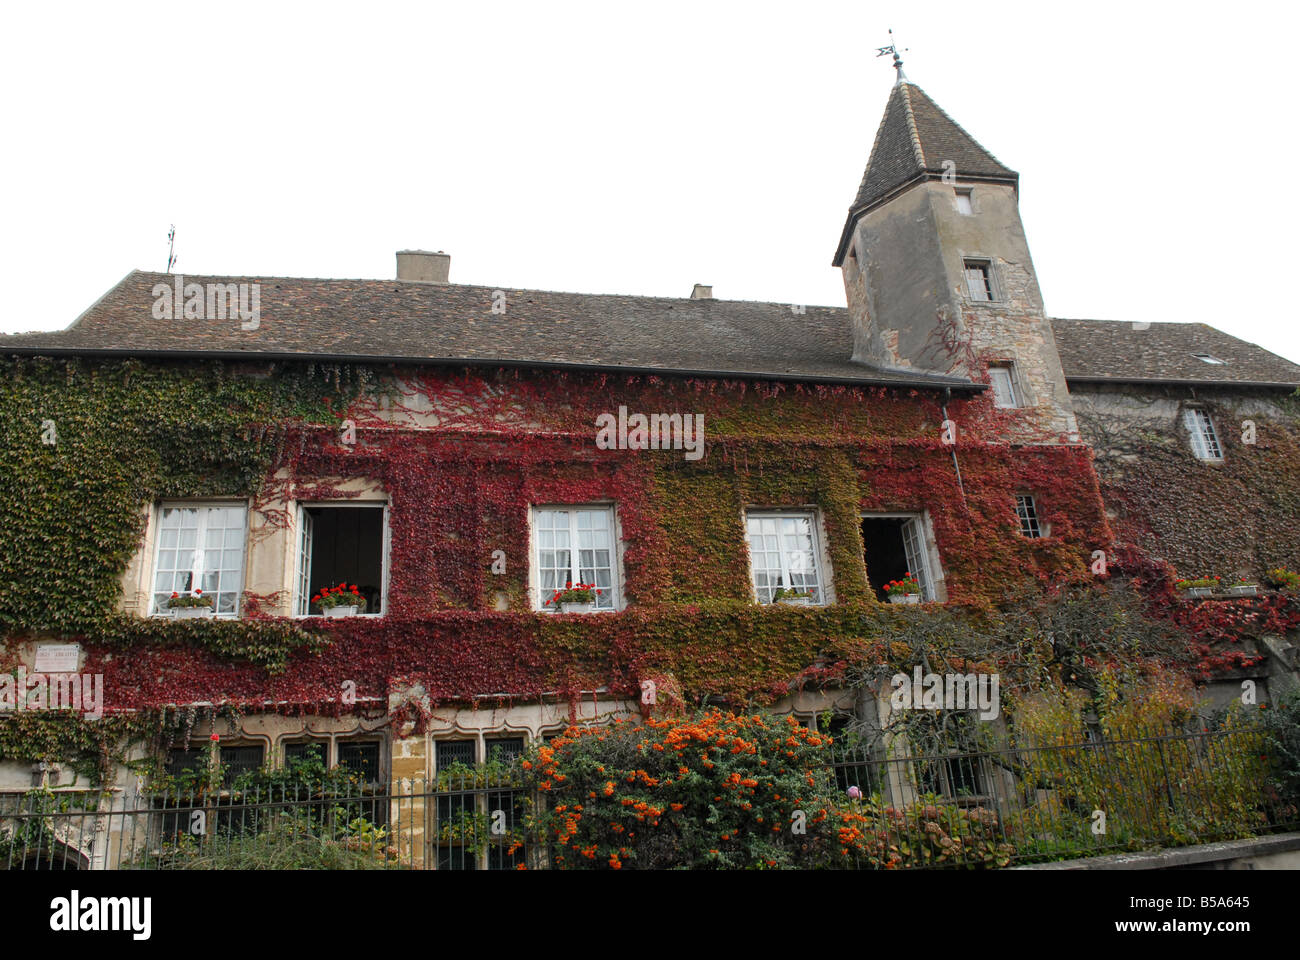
(439, 446)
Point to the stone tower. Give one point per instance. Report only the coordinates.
(937, 268)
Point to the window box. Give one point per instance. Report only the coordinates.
(578, 607)
(1192, 593)
(1243, 590)
(796, 601)
(192, 613)
(340, 611)
(904, 598)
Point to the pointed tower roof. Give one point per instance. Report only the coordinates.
(915, 141)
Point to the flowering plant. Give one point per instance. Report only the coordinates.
(1198, 582)
(1283, 579)
(195, 599)
(1240, 582)
(899, 588)
(575, 593)
(339, 596)
(790, 593)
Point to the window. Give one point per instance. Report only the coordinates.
(979, 280)
(575, 545)
(1002, 377)
(464, 814)
(1027, 514)
(192, 759)
(342, 544)
(240, 759)
(963, 203)
(895, 545)
(1205, 442)
(200, 547)
(783, 554)
(360, 757)
(303, 750)
(1208, 358)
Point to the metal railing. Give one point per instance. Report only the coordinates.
(915, 805)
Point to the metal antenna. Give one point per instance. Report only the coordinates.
(898, 61)
(171, 242)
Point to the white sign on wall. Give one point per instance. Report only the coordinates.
(58, 658)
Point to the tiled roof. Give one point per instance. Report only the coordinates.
(391, 320)
(454, 323)
(1098, 350)
(917, 140)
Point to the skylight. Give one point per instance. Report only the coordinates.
(1208, 358)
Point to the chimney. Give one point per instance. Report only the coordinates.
(702, 292)
(421, 266)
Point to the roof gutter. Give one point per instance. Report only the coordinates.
(1161, 381)
(929, 384)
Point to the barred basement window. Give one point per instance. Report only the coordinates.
(360, 757)
(1027, 513)
(193, 759)
(241, 759)
(200, 547)
(1205, 442)
(783, 553)
(979, 280)
(302, 750)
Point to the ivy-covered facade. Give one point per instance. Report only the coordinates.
(456, 455)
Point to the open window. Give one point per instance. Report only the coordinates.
(342, 543)
(894, 545)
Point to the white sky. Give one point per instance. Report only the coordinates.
(616, 149)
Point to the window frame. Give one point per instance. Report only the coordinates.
(301, 599)
(1203, 435)
(154, 609)
(1008, 368)
(930, 561)
(985, 264)
(816, 550)
(1044, 530)
(615, 560)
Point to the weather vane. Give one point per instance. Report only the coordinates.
(171, 243)
(892, 48)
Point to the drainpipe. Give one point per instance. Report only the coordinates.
(947, 395)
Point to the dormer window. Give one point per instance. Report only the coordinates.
(964, 205)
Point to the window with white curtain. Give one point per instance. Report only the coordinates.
(575, 545)
(200, 546)
(783, 553)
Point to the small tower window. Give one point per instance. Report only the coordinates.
(1002, 377)
(979, 280)
(1205, 442)
(964, 203)
(1027, 514)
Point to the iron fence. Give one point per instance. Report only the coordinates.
(913, 803)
